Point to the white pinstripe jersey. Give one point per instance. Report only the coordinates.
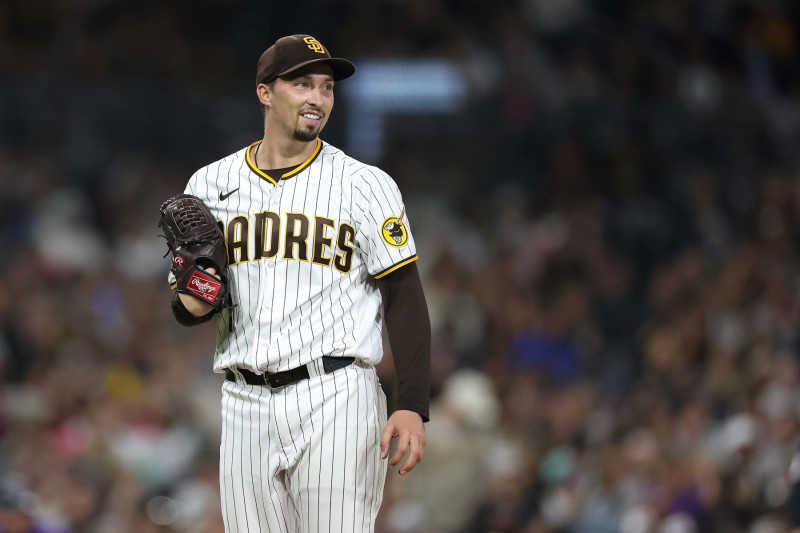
(303, 256)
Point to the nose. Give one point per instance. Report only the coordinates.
(314, 96)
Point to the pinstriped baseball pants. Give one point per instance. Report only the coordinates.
(304, 458)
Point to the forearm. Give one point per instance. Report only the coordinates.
(194, 305)
(409, 328)
(184, 315)
(190, 311)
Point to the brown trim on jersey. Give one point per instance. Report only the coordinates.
(395, 266)
(278, 172)
(254, 168)
(286, 175)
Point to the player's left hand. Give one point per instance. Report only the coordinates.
(408, 427)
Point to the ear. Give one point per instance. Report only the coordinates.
(264, 93)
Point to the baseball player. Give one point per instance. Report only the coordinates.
(319, 254)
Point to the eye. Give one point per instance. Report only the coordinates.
(302, 84)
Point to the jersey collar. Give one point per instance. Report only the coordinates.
(289, 174)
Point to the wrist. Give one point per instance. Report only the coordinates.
(194, 305)
(406, 412)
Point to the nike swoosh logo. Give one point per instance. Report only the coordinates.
(224, 196)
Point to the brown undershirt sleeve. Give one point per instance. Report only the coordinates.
(183, 316)
(409, 328)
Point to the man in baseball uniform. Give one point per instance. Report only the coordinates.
(320, 255)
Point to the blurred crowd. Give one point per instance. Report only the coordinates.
(609, 236)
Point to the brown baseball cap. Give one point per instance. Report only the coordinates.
(296, 51)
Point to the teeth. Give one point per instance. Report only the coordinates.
(311, 116)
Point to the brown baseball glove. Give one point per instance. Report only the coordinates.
(196, 243)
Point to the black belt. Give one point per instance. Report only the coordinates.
(287, 377)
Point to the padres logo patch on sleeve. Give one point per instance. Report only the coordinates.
(394, 231)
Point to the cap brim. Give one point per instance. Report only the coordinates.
(342, 68)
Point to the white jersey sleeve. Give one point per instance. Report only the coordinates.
(383, 235)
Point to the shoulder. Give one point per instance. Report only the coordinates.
(357, 172)
(228, 162)
(213, 171)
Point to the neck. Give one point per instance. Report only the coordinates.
(276, 151)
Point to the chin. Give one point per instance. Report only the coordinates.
(306, 135)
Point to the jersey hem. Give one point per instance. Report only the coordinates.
(394, 267)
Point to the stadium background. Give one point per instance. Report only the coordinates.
(606, 194)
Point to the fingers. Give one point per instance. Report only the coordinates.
(414, 456)
(388, 433)
(402, 447)
(412, 443)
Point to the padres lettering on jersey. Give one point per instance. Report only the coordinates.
(271, 236)
(299, 252)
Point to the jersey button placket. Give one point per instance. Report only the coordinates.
(273, 203)
(268, 267)
(265, 302)
(270, 273)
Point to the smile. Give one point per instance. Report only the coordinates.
(311, 116)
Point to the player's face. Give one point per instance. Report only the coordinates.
(300, 106)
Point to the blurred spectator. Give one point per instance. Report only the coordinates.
(461, 438)
(17, 513)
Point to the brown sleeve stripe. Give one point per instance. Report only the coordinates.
(394, 267)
